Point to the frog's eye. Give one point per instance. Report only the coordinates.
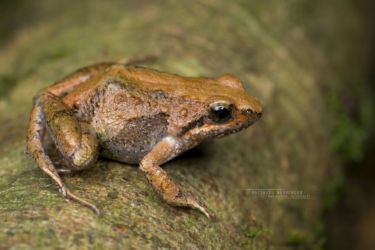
(221, 112)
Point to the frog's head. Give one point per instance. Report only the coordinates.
(230, 109)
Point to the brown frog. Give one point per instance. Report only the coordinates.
(135, 115)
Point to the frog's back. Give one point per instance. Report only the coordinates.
(199, 88)
(151, 80)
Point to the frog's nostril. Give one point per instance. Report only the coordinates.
(249, 111)
(252, 114)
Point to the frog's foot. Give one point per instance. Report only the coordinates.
(170, 192)
(70, 196)
(187, 200)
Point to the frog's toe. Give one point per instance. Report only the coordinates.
(201, 209)
(188, 200)
(191, 201)
(81, 201)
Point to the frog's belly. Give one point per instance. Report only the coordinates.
(136, 138)
(125, 153)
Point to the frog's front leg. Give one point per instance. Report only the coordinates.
(78, 147)
(164, 151)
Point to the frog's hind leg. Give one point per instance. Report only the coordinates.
(38, 122)
(73, 140)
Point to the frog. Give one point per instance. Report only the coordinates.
(134, 115)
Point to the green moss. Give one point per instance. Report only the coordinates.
(252, 232)
(113, 194)
(191, 222)
(303, 240)
(297, 238)
(333, 190)
(352, 126)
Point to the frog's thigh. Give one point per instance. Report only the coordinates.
(165, 150)
(73, 139)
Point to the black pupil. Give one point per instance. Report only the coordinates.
(221, 113)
